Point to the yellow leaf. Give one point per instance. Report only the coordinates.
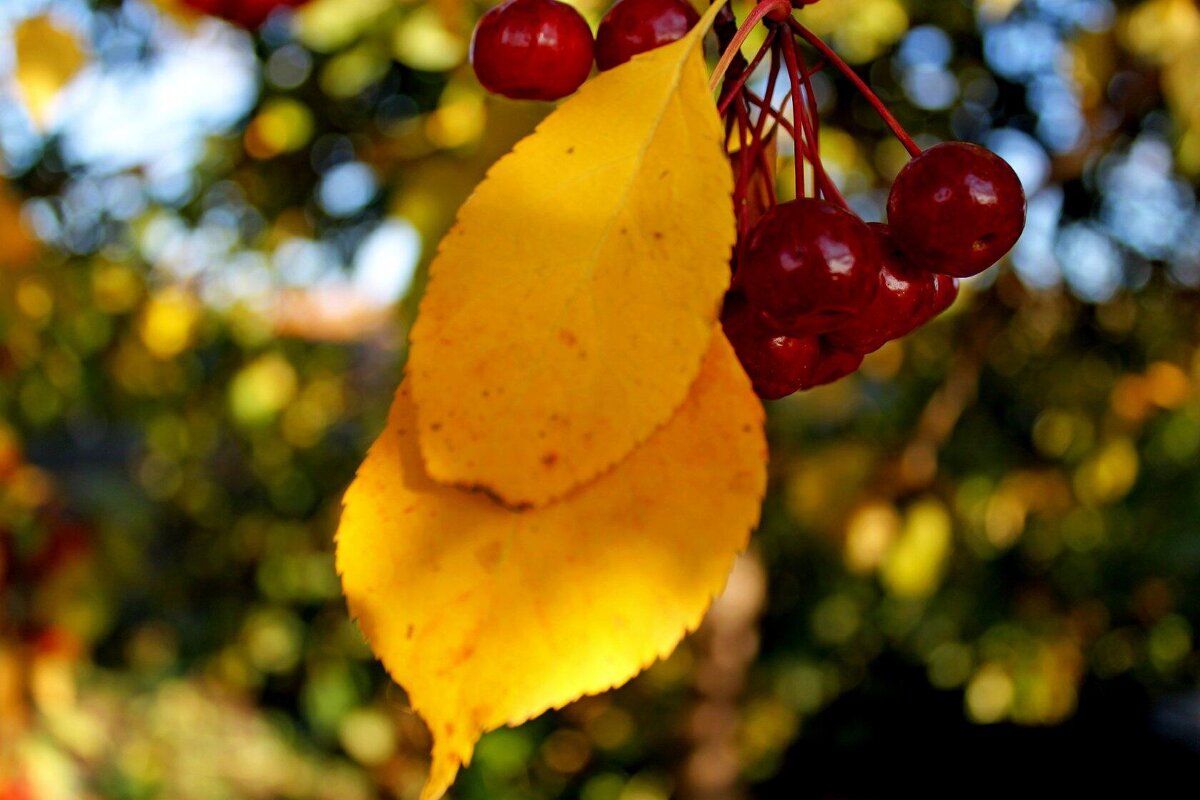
(570, 306)
(47, 58)
(329, 25)
(489, 616)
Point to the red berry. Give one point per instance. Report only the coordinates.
(780, 365)
(810, 265)
(906, 299)
(833, 365)
(635, 26)
(944, 294)
(956, 209)
(247, 13)
(777, 365)
(532, 50)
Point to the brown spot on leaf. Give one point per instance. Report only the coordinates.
(550, 458)
(488, 555)
(567, 338)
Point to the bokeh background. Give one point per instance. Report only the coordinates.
(979, 563)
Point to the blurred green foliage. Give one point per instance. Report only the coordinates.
(992, 525)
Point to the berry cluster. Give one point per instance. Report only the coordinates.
(815, 288)
(543, 49)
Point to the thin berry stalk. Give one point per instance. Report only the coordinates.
(803, 144)
(732, 89)
(894, 124)
(805, 114)
(733, 50)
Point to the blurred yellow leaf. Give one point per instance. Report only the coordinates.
(1167, 32)
(168, 323)
(18, 247)
(329, 25)
(860, 29)
(352, 71)
(1109, 474)
(489, 616)
(570, 306)
(461, 116)
(262, 389)
(424, 41)
(47, 58)
(283, 125)
(915, 563)
(178, 12)
(453, 14)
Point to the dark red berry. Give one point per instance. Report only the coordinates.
(635, 26)
(532, 50)
(777, 365)
(810, 265)
(945, 292)
(956, 209)
(906, 299)
(246, 13)
(780, 365)
(833, 365)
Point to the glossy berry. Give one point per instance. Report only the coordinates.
(956, 209)
(635, 26)
(833, 365)
(810, 265)
(248, 14)
(945, 292)
(780, 365)
(532, 50)
(907, 298)
(777, 365)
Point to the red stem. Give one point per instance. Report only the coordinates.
(753, 18)
(803, 144)
(773, 76)
(765, 165)
(827, 51)
(805, 114)
(744, 129)
(737, 85)
(765, 108)
(811, 96)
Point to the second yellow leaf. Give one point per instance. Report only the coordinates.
(570, 306)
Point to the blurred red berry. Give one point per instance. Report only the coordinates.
(247, 13)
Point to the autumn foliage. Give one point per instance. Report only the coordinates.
(365, 431)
